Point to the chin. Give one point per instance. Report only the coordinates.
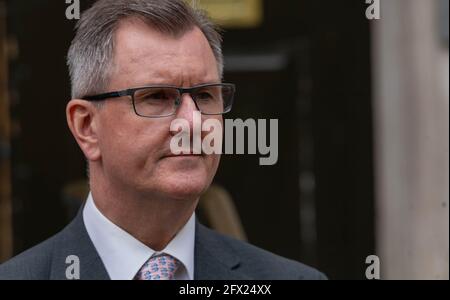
(184, 185)
(184, 178)
(186, 190)
(178, 178)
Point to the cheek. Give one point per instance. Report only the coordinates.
(214, 162)
(130, 147)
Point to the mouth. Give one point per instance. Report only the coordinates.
(182, 155)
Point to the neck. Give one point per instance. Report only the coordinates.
(153, 220)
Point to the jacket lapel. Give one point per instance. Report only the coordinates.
(74, 240)
(214, 259)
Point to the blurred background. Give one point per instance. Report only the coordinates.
(363, 131)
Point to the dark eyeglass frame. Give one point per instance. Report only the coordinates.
(191, 90)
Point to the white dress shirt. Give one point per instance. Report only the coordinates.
(123, 255)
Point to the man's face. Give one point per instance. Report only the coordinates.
(135, 151)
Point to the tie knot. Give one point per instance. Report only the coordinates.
(159, 267)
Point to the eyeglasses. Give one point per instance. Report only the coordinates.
(163, 101)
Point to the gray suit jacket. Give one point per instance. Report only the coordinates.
(216, 257)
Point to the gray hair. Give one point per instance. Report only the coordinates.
(90, 57)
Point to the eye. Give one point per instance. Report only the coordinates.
(204, 96)
(156, 96)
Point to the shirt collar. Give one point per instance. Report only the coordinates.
(123, 255)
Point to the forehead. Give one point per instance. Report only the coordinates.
(143, 55)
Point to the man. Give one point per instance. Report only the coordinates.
(135, 66)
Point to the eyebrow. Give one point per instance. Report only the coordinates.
(174, 85)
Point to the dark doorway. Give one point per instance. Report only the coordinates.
(315, 205)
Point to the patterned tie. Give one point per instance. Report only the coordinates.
(158, 267)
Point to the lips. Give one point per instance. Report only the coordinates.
(183, 155)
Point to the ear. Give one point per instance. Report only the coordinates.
(82, 118)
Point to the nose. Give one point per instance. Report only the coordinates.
(186, 109)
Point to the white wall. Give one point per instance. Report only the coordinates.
(411, 107)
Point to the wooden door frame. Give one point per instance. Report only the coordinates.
(5, 162)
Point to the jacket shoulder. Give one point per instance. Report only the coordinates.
(261, 264)
(32, 264)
